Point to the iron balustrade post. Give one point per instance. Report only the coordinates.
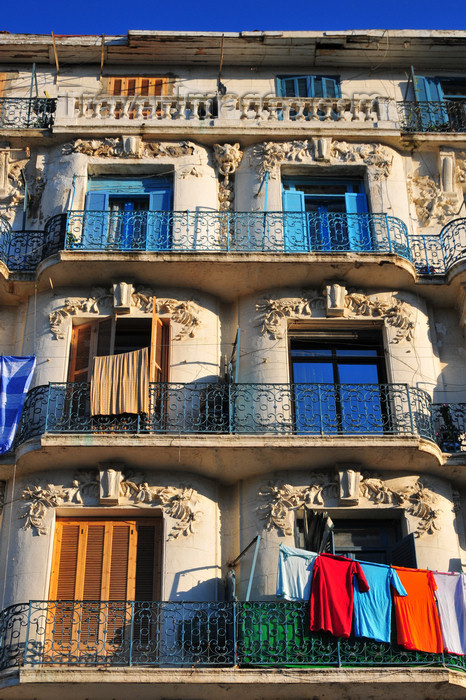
(339, 664)
(130, 660)
(47, 408)
(235, 624)
(388, 233)
(26, 641)
(411, 420)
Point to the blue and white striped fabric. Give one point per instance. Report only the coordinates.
(15, 379)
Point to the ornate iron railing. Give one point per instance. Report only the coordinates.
(295, 409)
(128, 633)
(207, 231)
(235, 232)
(449, 421)
(435, 255)
(27, 113)
(446, 115)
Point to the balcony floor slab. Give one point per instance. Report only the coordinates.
(109, 683)
(231, 458)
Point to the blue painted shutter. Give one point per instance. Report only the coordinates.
(159, 219)
(359, 237)
(429, 90)
(95, 224)
(330, 87)
(294, 222)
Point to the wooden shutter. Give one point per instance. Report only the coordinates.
(88, 340)
(159, 349)
(137, 85)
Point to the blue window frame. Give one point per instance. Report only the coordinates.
(128, 214)
(308, 86)
(336, 382)
(322, 215)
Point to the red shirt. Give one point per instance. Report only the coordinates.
(332, 593)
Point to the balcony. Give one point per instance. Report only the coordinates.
(437, 255)
(309, 410)
(434, 117)
(178, 634)
(230, 110)
(27, 113)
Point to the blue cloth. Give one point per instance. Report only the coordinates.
(15, 379)
(294, 573)
(372, 610)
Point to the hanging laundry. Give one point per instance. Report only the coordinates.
(119, 383)
(15, 374)
(451, 599)
(294, 573)
(372, 609)
(417, 621)
(332, 594)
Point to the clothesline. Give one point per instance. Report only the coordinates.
(344, 594)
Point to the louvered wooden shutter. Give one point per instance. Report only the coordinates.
(137, 86)
(158, 350)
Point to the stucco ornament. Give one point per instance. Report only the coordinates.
(269, 155)
(185, 313)
(461, 167)
(394, 313)
(282, 499)
(227, 158)
(375, 156)
(179, 503)
(274, 312)
(431, 203)
(127, 147)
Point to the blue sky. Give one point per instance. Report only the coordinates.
(117, 16)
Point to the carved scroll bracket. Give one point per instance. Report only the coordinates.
(336, 301)
(282, 499)
(101, 301)
(179, 503)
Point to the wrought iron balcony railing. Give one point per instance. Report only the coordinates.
(449, 421)
(27, 113)
(241, 232)
(446, 115)
(291, 409)
(177, 634)
(233, 232)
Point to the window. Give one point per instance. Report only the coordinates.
(103, 564)
(323, 215)
(308, 86)
(127, 214)
(336, 382)
(443, 102)
(374, 540)
(111, 336)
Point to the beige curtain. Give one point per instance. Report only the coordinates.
(120, 383)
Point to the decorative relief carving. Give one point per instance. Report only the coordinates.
(178, 503)
(371, 154)
(274, 311)
(461, 167)
(101, 301)
(432, 204)
(227, 158)
(281, 499)
(269, 155)
(394, 313)
(128, 147)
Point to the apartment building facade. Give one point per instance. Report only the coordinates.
(279, 217)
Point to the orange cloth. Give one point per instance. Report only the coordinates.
(417, 620)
